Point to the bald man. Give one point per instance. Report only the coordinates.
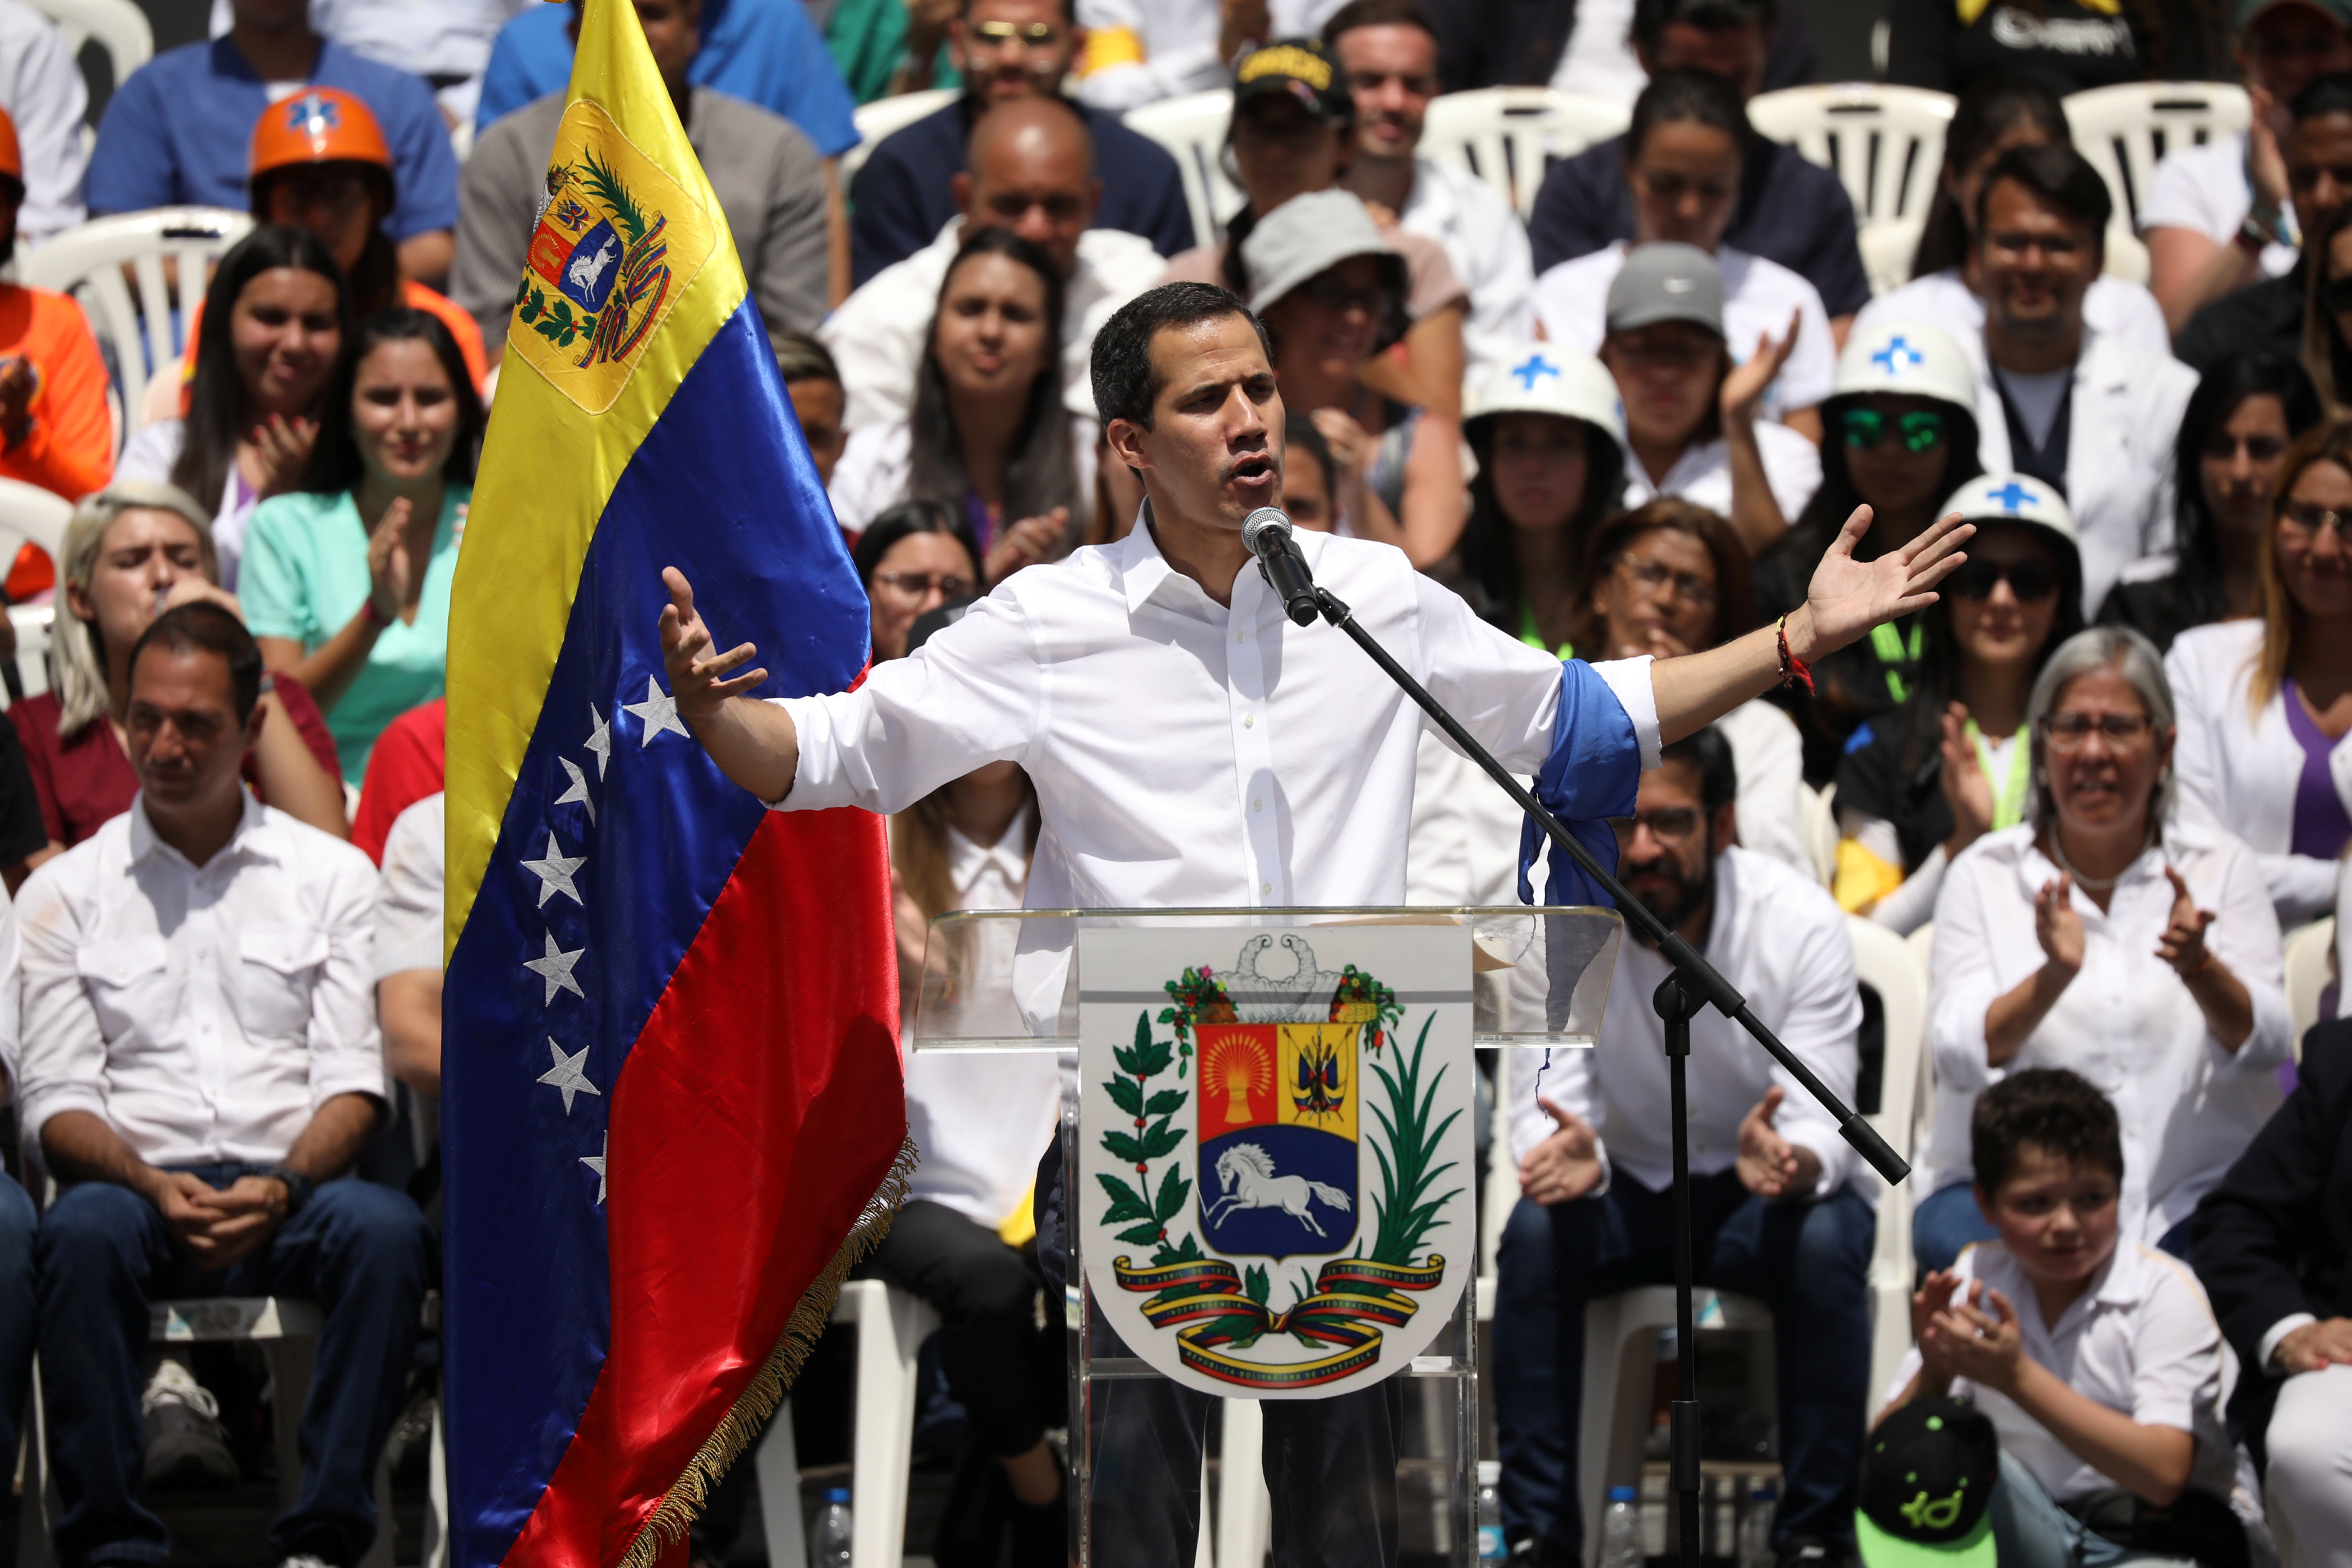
(1032, 171)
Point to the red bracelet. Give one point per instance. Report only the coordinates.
(1793, 673)
(377, 616)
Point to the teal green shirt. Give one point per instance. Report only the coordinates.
(305, 574)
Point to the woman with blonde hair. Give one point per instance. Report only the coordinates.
(133, 550)
(2266, 703)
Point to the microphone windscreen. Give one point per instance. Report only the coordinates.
(1260, 522)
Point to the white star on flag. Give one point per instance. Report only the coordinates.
(600, 741)
(659, 712)
(579, 790)
(556, 970)
(554, 874)
(568, 1075)
(595, 1161)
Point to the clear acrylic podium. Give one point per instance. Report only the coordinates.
(1270, 1191)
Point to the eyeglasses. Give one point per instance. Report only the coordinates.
(996, 35)
(1921, 430)
(2032, 580)
(1654, 578)
(2300, 522)
(2068, 731)
(919, 584)
(1670, 825)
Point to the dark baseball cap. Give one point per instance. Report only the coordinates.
(1301, 69)
(1927, 1476)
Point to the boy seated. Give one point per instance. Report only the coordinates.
(2098, 1365)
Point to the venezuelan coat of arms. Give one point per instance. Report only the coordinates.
(1275, 1168)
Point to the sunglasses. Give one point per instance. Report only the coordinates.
(2032, 580)
(1921, 430)
(1035, 34)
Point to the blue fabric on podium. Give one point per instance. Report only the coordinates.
(1592, 774)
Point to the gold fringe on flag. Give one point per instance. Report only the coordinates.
(742, 1424)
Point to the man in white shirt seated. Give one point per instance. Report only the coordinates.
(203, 1063)
(2093, 415)
(18, 1306)
(42, 91)
(1388, 49)
(1777, 1195)
(1032, 171)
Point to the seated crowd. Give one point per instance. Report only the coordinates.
(2108, 767)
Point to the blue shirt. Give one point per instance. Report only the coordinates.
(179, 132)
(762, 51)
(903, 196)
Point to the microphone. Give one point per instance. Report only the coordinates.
(1265, 534)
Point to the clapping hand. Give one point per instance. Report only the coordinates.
(388, 567)
(1026, 543)
(699, 683)
(1966, 790)
(282, 446)
(1564, 1165)
(1744, 388)
(1931, 1299)
(2057, 924)
(2182, 945)
(1985, 1346)
(19, 383)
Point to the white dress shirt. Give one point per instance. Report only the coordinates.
(1176, 41)
(2112, 308)
(2127, 409)
(1702, 475)
(2141, 1340)
(2203, 188)
(1779, 938)
(1488, 246)
(408, 895)
(877, 461)
(1186, 755)
(1571, 303)
(41, 89)
(203, 1012)
(982, 1118)
(2239, 766)
(880, 333)
(2126, 1021)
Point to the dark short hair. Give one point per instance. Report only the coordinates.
(2057, 174)
(2328, 95)
(1300, 434)
(1678, 97)
(2052, 1110)
(1358, 14)
(1126, 383)
(800, 357)
(1709, 754)
(1653, 18)
(206, 627)
(336, 465)
(1069, 11)
(903, 521)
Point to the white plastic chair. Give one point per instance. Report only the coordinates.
(2308, 948)
(170, 251)
(1818, 813)
(1508, 136)
(119, 28)
(1192, 127)
(1885, 144)
(1888, 965)
(32, 622)
(891, 1327)
(1888, 247)
(2125, 128)
(885, 116)
(29, 512)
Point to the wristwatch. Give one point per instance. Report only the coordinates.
(2260, 230)
(299, 1188)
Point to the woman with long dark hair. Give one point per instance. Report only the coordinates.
(346, 583)
(1994, 116)
(913, 558)
(1930, 778)
(1902, 427)
(988, 434)
(2328, 311)
(276, 317)
(2239, 424)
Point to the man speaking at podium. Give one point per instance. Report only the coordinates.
(1192, 748)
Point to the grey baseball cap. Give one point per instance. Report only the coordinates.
(1666, 282)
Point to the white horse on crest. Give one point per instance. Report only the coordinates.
(1245, 1176)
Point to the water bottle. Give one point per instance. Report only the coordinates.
(1620, 1531)
(1490, 1512)
(1756, 1528)
(829, 1541)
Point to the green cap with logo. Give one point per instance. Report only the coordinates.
(1928, 1475)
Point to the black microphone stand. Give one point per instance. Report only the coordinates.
(1692, 986)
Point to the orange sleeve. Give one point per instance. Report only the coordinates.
(461, 325)
(71, 447)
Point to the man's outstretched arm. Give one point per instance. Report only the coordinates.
(753, 742)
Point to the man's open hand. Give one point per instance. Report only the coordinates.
(700, 682)
(1848, 597)
(1564, 1167)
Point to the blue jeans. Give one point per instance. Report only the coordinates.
(2030, 1531)
(361, 1251)
(1810, 1262)
(1946, 1224)
(19, 1310)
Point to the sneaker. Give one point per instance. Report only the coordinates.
(304, 1560)
(187, 1446)
(1811, 1552)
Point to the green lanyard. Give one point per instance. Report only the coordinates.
(1887, 643)
(2008, 806)
(1532, 635)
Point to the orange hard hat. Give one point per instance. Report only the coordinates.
(12, 158)
(317, 125)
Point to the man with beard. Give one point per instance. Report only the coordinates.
(55, 430)
(1775, 1214)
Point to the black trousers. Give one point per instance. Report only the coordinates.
(1007, 1371)
(1331, 1464)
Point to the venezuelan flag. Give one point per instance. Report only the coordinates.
(673, 1107)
